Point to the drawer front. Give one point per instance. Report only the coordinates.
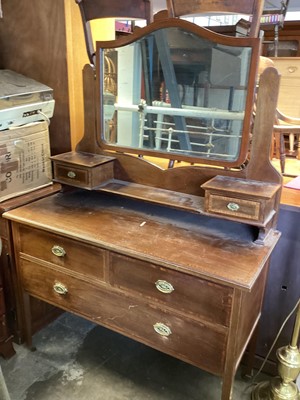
(205, 300)
(288, 67)
(239, 208)
(71, 175)
(64, 252)
(185, 339)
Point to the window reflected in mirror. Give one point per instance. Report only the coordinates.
(176, 93)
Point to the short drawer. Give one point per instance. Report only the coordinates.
(72, 175)
(231, 206)
(83, 170)
(239, 198)
(64, 252)
(194, 296)
(183, 338)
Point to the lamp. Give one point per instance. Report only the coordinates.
(283, 386)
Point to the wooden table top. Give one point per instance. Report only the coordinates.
(290, 197)
(221, 251)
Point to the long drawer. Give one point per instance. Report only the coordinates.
(64, 252)
(209, 301)
(183, 338)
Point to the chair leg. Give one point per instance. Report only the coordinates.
(298, 147)
(291, 142)
(282, 153)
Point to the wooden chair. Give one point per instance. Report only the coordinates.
(285, 125)
(179, 8)
(124, 9)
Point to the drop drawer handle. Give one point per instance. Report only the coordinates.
(58, 251)
(233, 206)
(60, 288)
(164, 286)
(162, 329)
(71, 174)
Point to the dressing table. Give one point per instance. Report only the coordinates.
(175, 257)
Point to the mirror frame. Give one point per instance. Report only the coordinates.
(253, 43)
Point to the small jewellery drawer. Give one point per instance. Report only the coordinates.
(71, 175)
(234, 207)
(61, 251)
(183, 338)
(240, 198)
(83, 170)
(194, 296)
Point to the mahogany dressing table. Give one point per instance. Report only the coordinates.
(176, 258)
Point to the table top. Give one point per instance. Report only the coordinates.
(210, 248)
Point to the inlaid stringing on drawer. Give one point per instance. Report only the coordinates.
(63, 252)
(194, 296)
(235, 207)
(72, 174)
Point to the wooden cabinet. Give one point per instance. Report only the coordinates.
(288, 40)
(11, 307)
(6, 347)
(139, 252)
(163, 279)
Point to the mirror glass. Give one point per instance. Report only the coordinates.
(175, 93)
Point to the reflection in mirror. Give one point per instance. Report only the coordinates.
(175, 92)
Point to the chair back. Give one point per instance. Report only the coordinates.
(179, 8)
(119, 9)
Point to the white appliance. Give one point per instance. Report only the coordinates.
(23, 100)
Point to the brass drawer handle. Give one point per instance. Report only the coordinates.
(162, 329)
(292, 69)
(60, 288)
(164, 286)
(58, 251)
(71, 174)
(233, 206)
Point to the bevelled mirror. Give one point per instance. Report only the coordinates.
(178, 91)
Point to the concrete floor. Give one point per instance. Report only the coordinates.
(77, 360)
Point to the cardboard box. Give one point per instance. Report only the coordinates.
(24, 159)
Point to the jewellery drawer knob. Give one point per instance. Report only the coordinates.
(162, 329)
(71, 174)
(164, 286)
(233, 206)
(58, 251)
(60, 288)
